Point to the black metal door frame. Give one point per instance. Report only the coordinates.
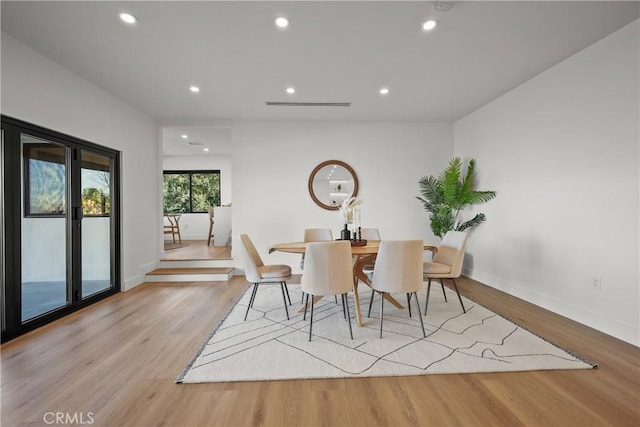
(11, 273)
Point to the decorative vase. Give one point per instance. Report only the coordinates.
(345, 234)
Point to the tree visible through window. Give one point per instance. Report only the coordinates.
(191, 191)
(96, 192)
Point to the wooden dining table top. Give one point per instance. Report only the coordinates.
(371, 247)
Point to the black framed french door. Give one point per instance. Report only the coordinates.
(60, 225)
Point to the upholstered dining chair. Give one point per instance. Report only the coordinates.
(398, 268)
(210, 237)
(370, 234)
(315, 235)
(446, 264)
(328, 271)
(257, 273)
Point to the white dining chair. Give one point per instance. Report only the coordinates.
(370, 234)
(398, 268)
(328, 271)
(446, 264)
(315, 235)
(257, 273)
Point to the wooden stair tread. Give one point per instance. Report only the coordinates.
(194, 259)
(192, 270)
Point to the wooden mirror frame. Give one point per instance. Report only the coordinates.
(313, 175)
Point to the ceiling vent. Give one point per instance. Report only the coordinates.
(442, 6)
(308, 104)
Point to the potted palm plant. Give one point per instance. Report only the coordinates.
(446, 195)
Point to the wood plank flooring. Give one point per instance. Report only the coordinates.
(191, 270)
(119, 358)
(197, 250)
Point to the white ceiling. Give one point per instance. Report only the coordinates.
(217, 140)
(332, 52)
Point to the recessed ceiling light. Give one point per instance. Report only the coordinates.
(384, 91)
(206, 149)
(194, 89)
(128, 18)
(184, 136)
(291, 90)
(429, 25)
(282, 22)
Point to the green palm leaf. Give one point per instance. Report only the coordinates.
(450, 182)
(431, 195)
(444, 196)
(478, 219)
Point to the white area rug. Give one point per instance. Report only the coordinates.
(267, 346)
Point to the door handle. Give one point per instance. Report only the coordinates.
(76, 213)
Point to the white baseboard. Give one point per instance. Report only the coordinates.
(615, 328)
(138, 279)
(132, 282)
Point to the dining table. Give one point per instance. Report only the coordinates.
(364, 254)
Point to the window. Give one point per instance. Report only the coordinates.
(44, 177)
(45, 180)
(191, 191)
(96, 185)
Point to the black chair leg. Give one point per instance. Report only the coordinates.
(344, 310)
(426, 301)
(409, 303)
(311, 320)
(346, 304)
(371, 302)
(284, 298)
(443, 292)
(381, 311)
(253, 295)
(424, 334)
(306, 304)
(459, 297)
(286, 288)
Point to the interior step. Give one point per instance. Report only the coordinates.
(195, 263)
(190, 274)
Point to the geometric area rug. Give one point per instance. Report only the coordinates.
(267, 346)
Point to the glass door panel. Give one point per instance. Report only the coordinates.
(45, 200)
(59, 225)
(3, 295)
(96, 223)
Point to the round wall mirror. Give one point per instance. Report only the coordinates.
(331, 182)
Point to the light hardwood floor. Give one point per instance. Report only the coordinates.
(119, 358)
(197, 250)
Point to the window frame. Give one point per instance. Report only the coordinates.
(190, 173)
(28, 213)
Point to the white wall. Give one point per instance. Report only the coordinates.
(196, 226)
(562, 152)
(38, 90)
(272, 162)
